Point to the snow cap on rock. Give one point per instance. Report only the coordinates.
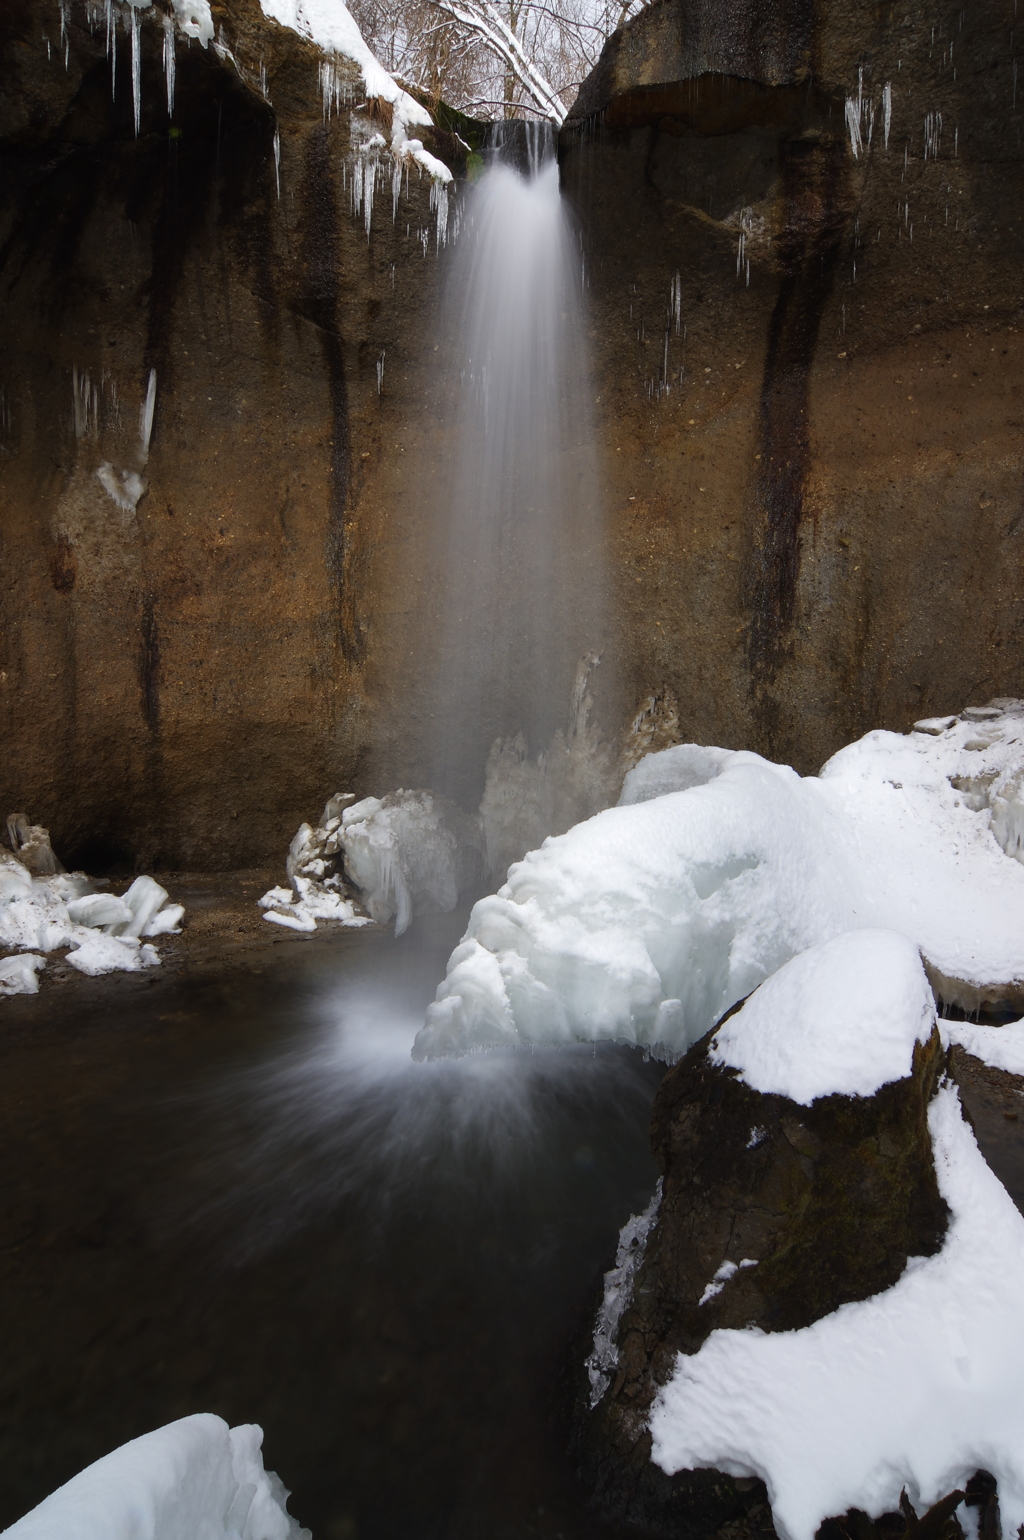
(842, 1017)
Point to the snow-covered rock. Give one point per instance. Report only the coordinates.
(917, 1387)
(195, 1479)
(1001, 1047)
(798, 1183)
(841, 1018)
(645, 923)
(330, 25)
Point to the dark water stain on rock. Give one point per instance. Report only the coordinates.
(63, 565)
(815, 214)
(319, 303)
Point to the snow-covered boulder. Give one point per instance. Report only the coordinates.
(195, 1479)
(828, 1297)
(646, 922)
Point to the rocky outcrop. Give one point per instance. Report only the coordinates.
(772, 1214)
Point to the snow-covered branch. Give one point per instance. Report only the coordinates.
(485, 20)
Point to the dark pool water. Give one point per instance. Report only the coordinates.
(237, 1194)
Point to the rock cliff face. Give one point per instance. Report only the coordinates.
(817, 1206)
(804, 256)
(803, 262)
(184, 632)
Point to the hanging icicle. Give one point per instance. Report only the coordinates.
(169, 62)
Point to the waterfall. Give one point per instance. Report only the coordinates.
(519, 514)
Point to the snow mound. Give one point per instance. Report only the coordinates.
(647, 922)
(193, 1478)
(1001, 1047)
(330, 25)
(105, 933)
(842, 1017)
(917, 1387)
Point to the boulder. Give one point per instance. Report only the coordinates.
(773, 1213)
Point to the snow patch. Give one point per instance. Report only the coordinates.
(1000, 1047)
(722, 1275)
(917, 1387)
(195, 1477)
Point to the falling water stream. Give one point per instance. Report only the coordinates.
(519, 516)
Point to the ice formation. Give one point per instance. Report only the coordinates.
(405, 854)
(329, 25)
(645, 923)
(916, 1388)
(193, 1478)
(43, 908)
(618, 1291)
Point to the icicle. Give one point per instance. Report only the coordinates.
(169, 62)
(887, 109)
(112, 48)
(853, 125)
(263, 80)
(133, 16)
(146, 415)
(380, 370)
(277, 160)
(677, 302)
(439, 203)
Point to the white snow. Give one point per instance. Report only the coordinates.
(842, 1017)
(330, 25)
(1001, 1047)
(721, 1278)
(18, 974)
(195, 1479)
(917, 1387)
(42, 914)
(618, 1292)
(646, 922)
(194, 19)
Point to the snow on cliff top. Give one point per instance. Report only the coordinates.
(330, 25)
(842, 1017)
(645, 923)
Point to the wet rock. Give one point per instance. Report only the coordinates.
(772, 1215)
